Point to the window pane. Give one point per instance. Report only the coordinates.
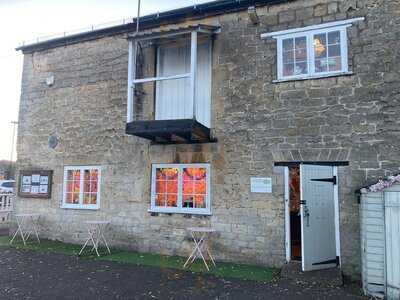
(200, 187)
(86, 198)
(87, 175)
(94, 174)
(294, 56)
(75, 199)
(69, 197)
(199, 201)
(77, 186)
(321, 65)
(160, 200)
(93, 199)
(320, 45)
(334, 51)
(335, 64)
(287, 44)
(334, 37)
(167, 187)
(288, 70)
(194, 173)
(86, 186)
(167, 174)
(172, 200)
(301, 68)
(187, 201)
(194, 187)
(70, 186)
(288, 57)
(301, 55)
(301, 42)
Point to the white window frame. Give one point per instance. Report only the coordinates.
(309, 33)
(179, 209)
(81, 205)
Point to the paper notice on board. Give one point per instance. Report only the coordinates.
(35, 178)
(26, 180)
(43, 189)
(261, 185)
(44, 180)
(34, 189)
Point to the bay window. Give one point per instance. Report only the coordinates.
(81, 187)
(181, 188)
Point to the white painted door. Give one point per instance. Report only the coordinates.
(392, 232)
(317, 209)
(173, 99)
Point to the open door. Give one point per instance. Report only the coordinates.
(317, 210)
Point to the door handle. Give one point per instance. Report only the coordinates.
(306, 214)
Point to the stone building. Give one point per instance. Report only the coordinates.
(295, 108)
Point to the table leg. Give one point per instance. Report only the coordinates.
(210, 256)
(19, 229)
(200, 244)
(35, 229)
(104, 239)
(193, 251)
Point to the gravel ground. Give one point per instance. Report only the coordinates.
(34, 275)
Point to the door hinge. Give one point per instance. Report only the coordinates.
(332, 179)
(303, 202)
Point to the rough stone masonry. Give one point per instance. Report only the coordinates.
(257, 122)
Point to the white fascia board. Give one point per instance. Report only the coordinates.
(347, 22)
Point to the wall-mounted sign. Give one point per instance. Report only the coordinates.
(261, 185)
(35, 184)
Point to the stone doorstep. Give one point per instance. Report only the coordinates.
(324, 278)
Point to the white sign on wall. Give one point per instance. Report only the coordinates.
(261, 184)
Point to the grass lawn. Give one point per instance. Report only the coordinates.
(223, 269)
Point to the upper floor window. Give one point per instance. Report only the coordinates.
(313, 51)
(181, 188)
(81, 187)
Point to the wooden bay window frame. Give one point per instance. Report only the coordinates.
(193, 31)
(81, 205)
(179, 208)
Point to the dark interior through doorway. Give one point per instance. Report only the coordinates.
(294, 206)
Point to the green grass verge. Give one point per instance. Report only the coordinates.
(223, 269)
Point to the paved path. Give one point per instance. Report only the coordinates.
(33, 275)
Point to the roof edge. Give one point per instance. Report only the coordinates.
(153, 20)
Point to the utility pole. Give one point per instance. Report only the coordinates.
(138, 17)
(12, 148)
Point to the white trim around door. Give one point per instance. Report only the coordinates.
(287, 214)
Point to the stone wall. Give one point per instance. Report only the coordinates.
(257, 122)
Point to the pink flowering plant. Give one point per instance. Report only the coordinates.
(382, 184)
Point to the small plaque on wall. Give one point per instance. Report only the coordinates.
(261, 185)
(35, 184)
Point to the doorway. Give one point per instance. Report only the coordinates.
(312, 215)
(294, 210)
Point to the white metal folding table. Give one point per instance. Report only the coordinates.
(96, 234)
(200, 236)
(27, 224)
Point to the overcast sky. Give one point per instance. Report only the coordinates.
(28, 19)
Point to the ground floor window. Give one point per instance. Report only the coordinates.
(81, 187)
(181, 188)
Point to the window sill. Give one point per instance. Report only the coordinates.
(180, 211)
(313, 77)
(80, 207)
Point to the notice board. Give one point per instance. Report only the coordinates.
(35, 183)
